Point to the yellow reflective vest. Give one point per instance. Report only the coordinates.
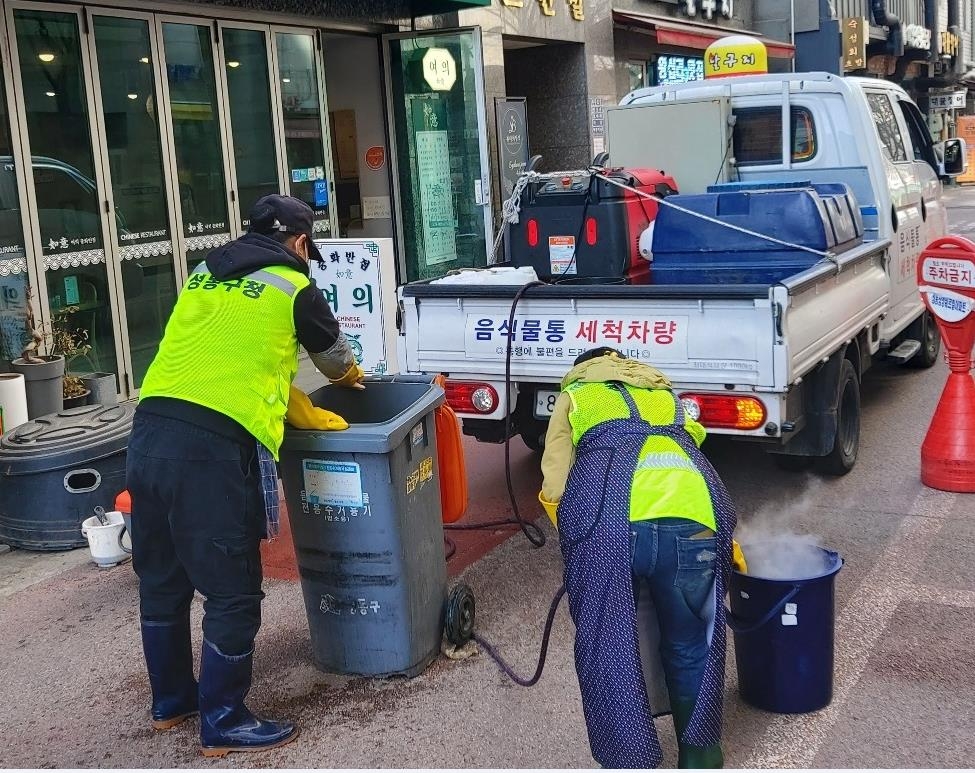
(231, 346)
(666, 483)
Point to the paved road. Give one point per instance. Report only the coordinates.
(73, 690)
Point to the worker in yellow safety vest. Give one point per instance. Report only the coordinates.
(201, 464)
(645, 529)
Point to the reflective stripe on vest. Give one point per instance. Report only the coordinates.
(666, 484)
(231, 346)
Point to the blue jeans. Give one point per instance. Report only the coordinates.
(678, 574)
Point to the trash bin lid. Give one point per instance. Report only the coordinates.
(72, 436)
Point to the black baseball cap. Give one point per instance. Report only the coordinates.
(285, 214)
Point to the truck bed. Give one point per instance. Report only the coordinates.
(761, 335)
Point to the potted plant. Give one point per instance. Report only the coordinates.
(43, 373)
(70, 343)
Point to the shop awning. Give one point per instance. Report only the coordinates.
(432, 7)
(689, 34)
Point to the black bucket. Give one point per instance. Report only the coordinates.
(784, 643)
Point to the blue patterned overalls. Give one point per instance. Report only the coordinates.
(593, 522)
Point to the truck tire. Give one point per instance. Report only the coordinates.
(846, 445)
(925, 330)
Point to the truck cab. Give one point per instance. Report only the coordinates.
(864, 132)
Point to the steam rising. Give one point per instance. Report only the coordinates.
(772, 546)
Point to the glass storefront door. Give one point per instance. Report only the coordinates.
(309, 177)
(197, 131)
(440, 155)
(247, 68)
(150, 137)
(143, 238)
(53, 93)
(13, 255)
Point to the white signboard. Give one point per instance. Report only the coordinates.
(359, 281)
(947, 271)
(949, 306)
(952, 101)
(436, 197)
(563, 338)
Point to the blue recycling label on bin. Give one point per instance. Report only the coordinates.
(332, 483)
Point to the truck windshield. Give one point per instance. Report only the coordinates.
(758, 135)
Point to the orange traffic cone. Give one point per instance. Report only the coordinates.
(948, 451)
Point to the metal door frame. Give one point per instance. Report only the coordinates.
(274, 96)
(316, 34)
(14, 120)
(171, 200)
(483, 142)
(34, 237)
(233, 217)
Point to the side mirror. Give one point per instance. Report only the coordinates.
(952, 157)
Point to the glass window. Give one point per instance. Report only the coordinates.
(249, 89)
(56, 113)
(886, 122)
(303, 136)
(13, 263)
(436, 107)
(637, 74)
(128, 97)
(196, 135)
(920, 135)
(758, 135)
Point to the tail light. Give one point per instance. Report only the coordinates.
(591, 231)
(471, 397)
(725, 411)
(532, 228)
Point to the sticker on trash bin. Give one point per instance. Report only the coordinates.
(790, 620)
(333, 483)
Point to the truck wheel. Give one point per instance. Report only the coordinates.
(846, 446)
(925, 330)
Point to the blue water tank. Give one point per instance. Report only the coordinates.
(688, 248)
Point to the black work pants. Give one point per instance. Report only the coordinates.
(197, 522)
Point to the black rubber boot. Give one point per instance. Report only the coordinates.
(169, 660)
(693, 756)
(226, 724)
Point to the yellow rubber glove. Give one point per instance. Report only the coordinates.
(352, 378)
(303, 415)
(551, 508)
(738, 558)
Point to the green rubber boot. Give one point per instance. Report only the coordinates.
(688, 756)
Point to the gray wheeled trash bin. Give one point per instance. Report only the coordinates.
(364, 507)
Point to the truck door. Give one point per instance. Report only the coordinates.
(933, 211)
(907, 216)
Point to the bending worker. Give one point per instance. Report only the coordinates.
(201, 464)
(645, 527)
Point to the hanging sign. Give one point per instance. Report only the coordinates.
(512, 141)
(359, 282)
(735, 55)
(954, 100)
(855, 33)
(439, 69)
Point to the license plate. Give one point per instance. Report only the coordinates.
(545, 403)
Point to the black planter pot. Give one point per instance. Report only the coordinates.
(77, 400)
(45, 392)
